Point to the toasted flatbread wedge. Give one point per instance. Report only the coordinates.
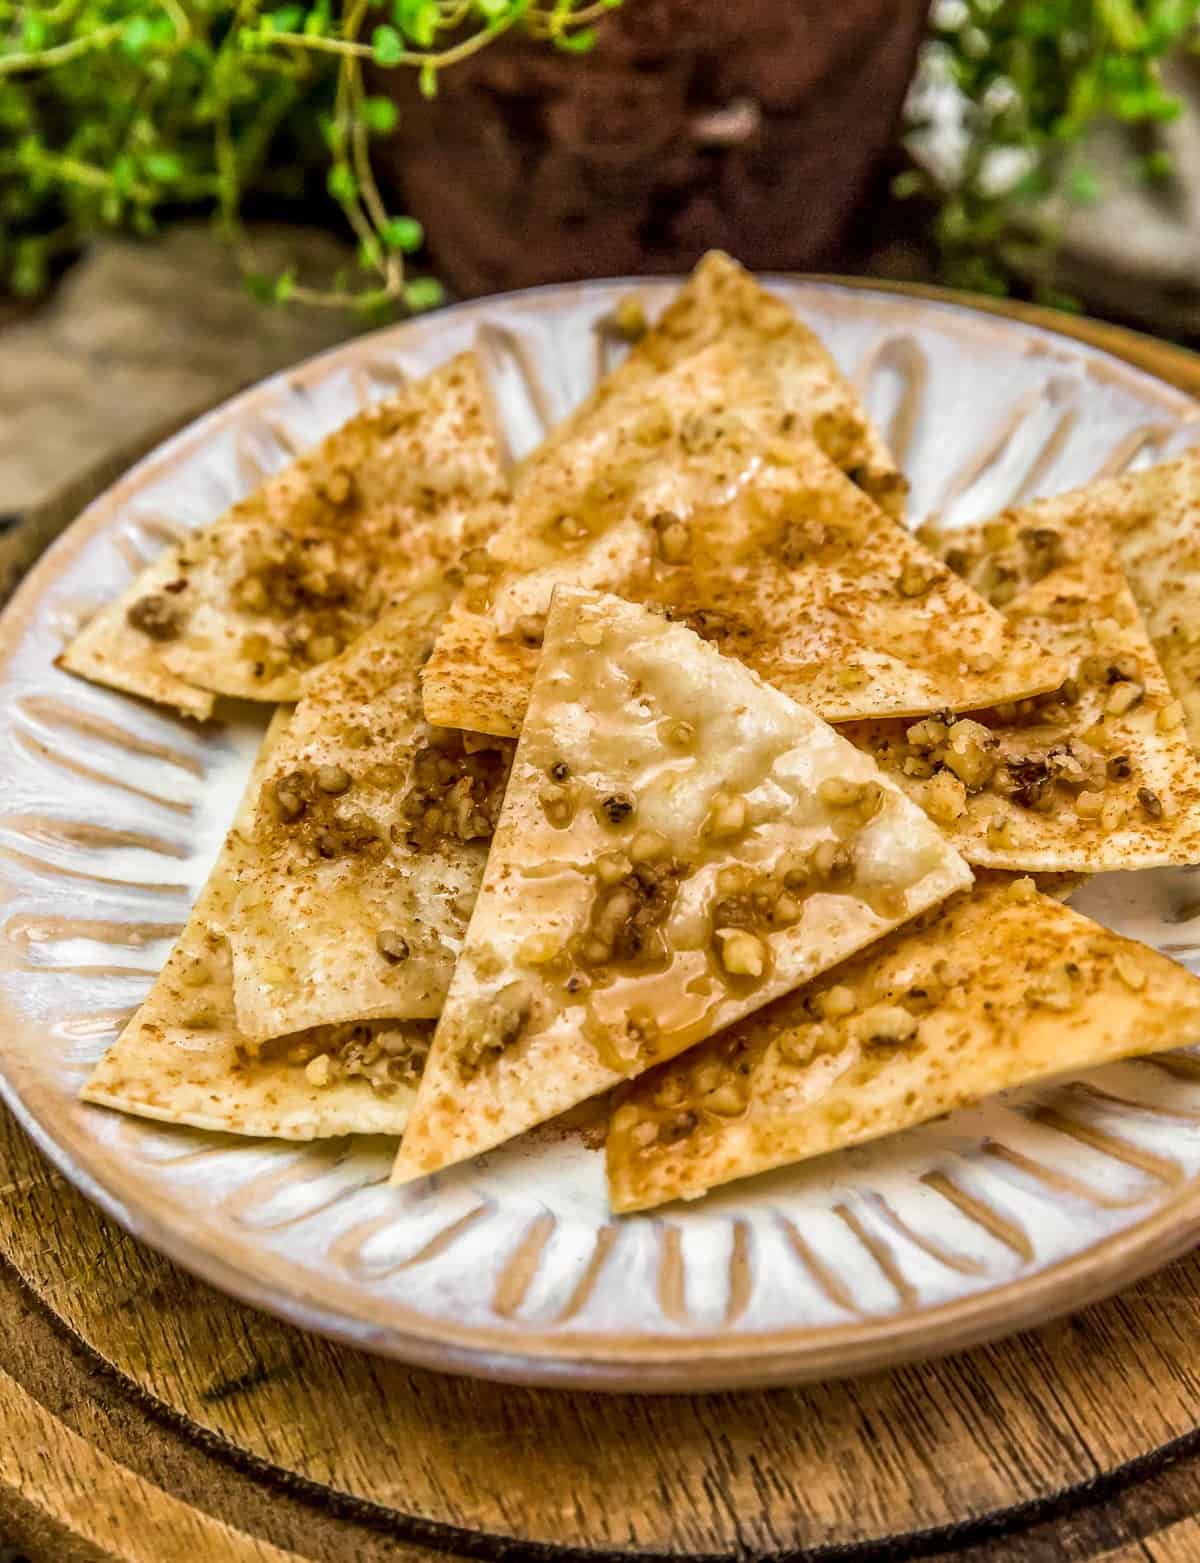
(722, 303)
(290, 575)
(1098, 775)
(365, 850)
(679, 844)
(1154, 518)
(998, 988)
(710, 505)
(182, 1059)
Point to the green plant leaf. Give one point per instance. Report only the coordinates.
(578, 42)
(341, 183)
(387, 45)
(403, 233)
(380, 115)
(423, 293)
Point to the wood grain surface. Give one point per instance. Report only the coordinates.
(144, 1418)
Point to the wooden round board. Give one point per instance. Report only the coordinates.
(511, 1267)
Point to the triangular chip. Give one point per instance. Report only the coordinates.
(679, 844)
(996, 989)
(715, 507)
(181, 1058)
(720, 302)
(364, 853)
(1098, 775)
(290, 575)
(1154, 518)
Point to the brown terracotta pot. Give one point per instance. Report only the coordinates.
(753, 125)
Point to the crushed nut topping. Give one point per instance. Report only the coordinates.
(382, 1053)
(629, 908)
(558, 805)
(674, 537)
(1152, 804)
(945, 798)
(743, 954)
(333, 779)
(617, 808)
(501, 1024)
(727, 816)
(886, 1025)
(530, 629)
(455, 795)
(1124, 696)
(156, 617)
(915, 580)
(392, 945)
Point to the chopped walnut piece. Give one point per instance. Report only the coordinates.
(617, 808)
(833, 863)
(1123, 697)
(1112, 815)
(886, 1024)
(557, 806)
(339, 487)
(727, 815)
(1152, 805)
(673, 535)
(969, 753)
(392, 945)
(915, 580)
(725, 1100)
(743, 954)
(835, 1003)
(839, 792)
(530, 629)
(319, 1071)
(945, 798)
(679, 1127)
(648, 845)
(156, 617)
(500, 1025)
(612, 867)
(289, 795)
(333, 779)
(1089, 804)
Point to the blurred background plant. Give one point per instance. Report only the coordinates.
(121, 114)
(771, 127)
(999, 119)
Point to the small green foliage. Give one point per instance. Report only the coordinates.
(114, 111)
(1034, 77)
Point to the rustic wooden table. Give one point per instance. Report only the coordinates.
(147, 1419)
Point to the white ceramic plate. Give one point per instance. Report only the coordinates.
(111, 812)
